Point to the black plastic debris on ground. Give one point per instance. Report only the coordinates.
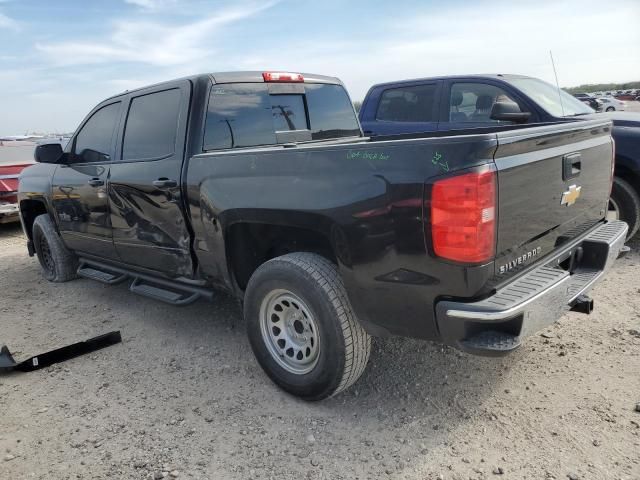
(7, 362)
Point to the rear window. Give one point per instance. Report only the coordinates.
(247, 115)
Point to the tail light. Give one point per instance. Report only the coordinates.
(282, 77)
(463, 217)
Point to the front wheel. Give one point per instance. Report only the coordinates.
(610, 109)
(58, 264)
(624, 204)
(302, 328)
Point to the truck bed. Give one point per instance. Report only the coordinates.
(371, 200)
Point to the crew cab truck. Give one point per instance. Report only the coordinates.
(263, 185)
(459, 104)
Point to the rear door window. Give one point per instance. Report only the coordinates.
(249, 114)
(408, 104)
(152, 125)
(472, 102)
(93, 142)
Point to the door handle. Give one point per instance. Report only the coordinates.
(165, 183)
(571, 165)
(96, 182)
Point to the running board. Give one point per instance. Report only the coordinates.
(171, 295)
(102, 276)
(165, 290)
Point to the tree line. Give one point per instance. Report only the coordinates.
(598, 87)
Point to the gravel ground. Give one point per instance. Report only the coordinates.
(183, 397)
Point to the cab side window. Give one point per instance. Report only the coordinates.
(408, 104)
(93, 142)
(152, 126)
(472, 102)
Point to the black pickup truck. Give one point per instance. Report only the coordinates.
(262, 184)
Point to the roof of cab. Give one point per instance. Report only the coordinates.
(235, 77)
(495, 76)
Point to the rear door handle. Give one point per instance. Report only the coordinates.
(165, 183)
(96, 182)
(571, 165)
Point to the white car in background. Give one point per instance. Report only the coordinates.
(610, 104)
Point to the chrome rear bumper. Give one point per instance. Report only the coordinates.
(533, 300)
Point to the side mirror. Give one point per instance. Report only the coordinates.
(508, 112)
(48, 153)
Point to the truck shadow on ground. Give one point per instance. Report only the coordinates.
(10, 230)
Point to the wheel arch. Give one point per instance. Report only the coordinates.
(29, 210)
(249, 244)
(631, 176)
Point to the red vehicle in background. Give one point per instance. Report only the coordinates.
(8, 192)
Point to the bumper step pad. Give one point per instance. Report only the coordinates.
(490, 342)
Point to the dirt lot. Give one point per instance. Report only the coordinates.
(183, 397)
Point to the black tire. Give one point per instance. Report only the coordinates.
(610, 109)
(58, 264)
(625, 201)
(343, 347)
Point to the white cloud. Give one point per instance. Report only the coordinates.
(511, 37)
(8, 23)
(157, 41)
(151, 4)
(147, 42)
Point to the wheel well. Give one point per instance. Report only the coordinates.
(630, 176)
(249, 245)
(29, 210)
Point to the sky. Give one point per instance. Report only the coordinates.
(58, 58)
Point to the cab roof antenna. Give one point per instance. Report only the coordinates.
(553, 64)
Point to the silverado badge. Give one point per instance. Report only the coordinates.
(569, 197)
(520, 260)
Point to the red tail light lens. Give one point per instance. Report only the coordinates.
(463, 217)
(282, 77)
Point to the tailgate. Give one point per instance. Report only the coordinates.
(553, 185)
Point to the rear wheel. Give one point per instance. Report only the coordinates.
(624, 204)
(301, 326)
(610, 109)
(58, 264)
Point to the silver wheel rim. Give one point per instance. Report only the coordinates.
(614, 211)
(289, 331)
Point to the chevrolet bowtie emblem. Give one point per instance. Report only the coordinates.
(570, 197)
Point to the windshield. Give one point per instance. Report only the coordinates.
(548, 97)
